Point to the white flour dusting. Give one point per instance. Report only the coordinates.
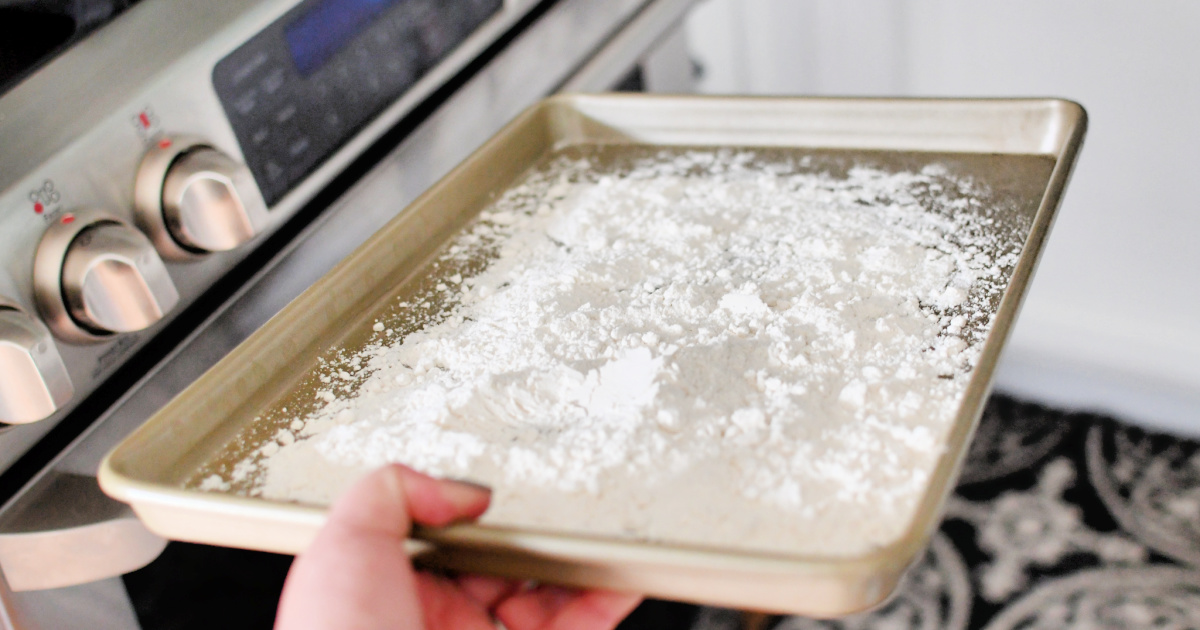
(707, 347)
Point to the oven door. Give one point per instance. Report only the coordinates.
(62, 542)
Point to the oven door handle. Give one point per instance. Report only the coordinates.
(68, 532)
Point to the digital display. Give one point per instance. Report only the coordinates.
(308, 82)
(327, 28)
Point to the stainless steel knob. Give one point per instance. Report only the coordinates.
(113, 280)
(192, 199)
(33, 380)
(94, 276)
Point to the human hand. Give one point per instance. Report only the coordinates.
(357, 576)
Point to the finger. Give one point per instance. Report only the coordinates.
(356, 573)
(439, 502)
(376, 505)
(486, 590)
(356, 569)
(445, 605)
(535, 607)
(558, 608)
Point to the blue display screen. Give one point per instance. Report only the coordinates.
(326, 28)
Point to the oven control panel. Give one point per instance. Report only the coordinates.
(146, 162)
(301, 87)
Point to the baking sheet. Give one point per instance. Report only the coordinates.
(1025, 147)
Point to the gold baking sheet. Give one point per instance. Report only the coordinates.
(1022, 149)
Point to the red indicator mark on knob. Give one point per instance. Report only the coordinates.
(68, 218)
(144, 119)
(165, 143)
(38, 207)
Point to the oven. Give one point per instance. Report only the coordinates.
(175, 176)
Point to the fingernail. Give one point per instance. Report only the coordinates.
(470, 484)
(465, 493)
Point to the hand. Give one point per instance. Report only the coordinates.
(356, 574)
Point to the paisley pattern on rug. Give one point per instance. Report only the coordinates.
(1151, 485)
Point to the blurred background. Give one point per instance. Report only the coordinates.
(1111, 323)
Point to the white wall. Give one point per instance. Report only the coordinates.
(1113, 319)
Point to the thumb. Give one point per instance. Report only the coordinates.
(356, 574)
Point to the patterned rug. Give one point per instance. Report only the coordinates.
(1060, 521)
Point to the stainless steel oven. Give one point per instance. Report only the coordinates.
(174, 177)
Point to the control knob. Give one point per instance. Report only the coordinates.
(33, 379)
(192, 199)
(95, 275)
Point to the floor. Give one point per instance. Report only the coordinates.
(1060, 521)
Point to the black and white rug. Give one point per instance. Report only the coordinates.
(1060, 521)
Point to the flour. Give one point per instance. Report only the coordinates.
(708, 347)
